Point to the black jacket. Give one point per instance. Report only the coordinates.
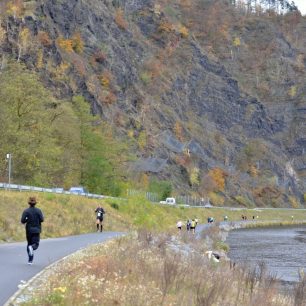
(32, 217)
(100, 212)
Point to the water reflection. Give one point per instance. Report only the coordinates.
(282, 249)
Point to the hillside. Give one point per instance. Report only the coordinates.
(203, 94)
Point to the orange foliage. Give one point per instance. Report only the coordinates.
(145, 181)
(39, 59)
(15, 8)
(106, 78)
(253, 171)
(110, 98)
(65, 44)
(183, 31)
(183, 160)
(154, 67)
(218, 177)
(178, 131)
(185, 3)
(44, 38)
(79, 65)
(119, 19)
(166, 27)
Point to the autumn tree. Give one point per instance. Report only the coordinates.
(77, 43)
(15, 8)
(2, 39)
(101, 155)
(27, 126)
(24, 41)
(194, 177)
(218, 176)
(178, 131)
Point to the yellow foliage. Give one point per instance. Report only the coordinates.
(145, 181)
(60, 71)
(300, 59)
(236, 42)
(178, 131)
(218, 177)
(294, 202)
(142, 140)
(39, 60)
(253, 171)
(130, 133)
(2, 34)
(183, 31)
(243, 201)
(15, 8)
(65, 44)
(292, 91)
(24, 36)
(156, 9)
(194, 176)
(77, 43)
(216, 199)
(166, 27)
(105, 79)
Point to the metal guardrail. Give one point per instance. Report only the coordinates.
(16, 187)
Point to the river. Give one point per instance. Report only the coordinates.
(282, 249)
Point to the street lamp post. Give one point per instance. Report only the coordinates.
(9, 158)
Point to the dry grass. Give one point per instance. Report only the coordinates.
(146, 269)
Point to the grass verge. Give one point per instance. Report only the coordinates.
(70, 215)
(144, 269)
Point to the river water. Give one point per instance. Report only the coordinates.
(282, 249)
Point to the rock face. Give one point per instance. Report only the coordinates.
(138, 74)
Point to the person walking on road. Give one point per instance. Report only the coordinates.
(99, 220)
(179, 225)
(32, 217)
(193, 226)
(188, 225)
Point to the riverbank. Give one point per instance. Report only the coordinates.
(147, 268)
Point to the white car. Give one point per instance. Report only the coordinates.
(169, 201)
(78, 190)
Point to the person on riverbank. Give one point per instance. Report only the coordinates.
(32, 217)
(99, 218)
(179, 225)
(210, 220)
(193, 226)
(188, 225)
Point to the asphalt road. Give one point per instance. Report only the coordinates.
(13, 258)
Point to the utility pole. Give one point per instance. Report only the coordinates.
(9, 158)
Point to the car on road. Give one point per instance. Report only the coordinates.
(208, 205)
(169, 201)
(78, 190)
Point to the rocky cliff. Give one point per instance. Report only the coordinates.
(154, 81)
